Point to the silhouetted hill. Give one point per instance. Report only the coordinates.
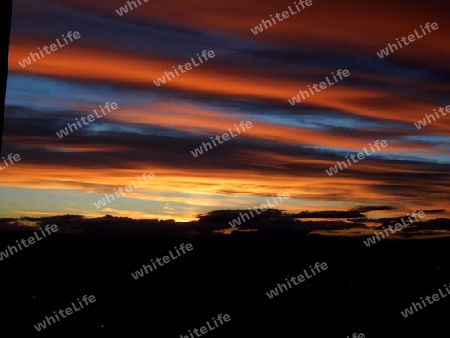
(363, 289)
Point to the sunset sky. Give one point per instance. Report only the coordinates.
(251, 78)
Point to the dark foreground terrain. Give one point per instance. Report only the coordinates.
(363, 289)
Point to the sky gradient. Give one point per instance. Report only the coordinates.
(250, 78)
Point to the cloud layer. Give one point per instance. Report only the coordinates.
(155, 128)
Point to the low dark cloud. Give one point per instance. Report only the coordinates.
(364, 209)
(272, 222)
